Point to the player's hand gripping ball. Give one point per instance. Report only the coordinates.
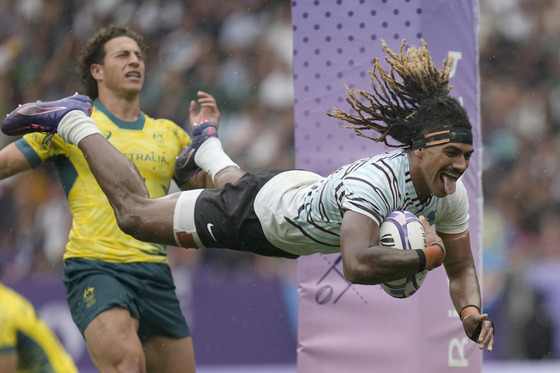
(403, 231)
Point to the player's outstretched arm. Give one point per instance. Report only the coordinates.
(464, 289)
(12, 161)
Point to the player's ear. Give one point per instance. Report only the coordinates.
(96, 71)
(418, 152)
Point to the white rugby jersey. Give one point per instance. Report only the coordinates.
(301, 212)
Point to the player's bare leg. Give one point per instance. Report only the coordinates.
(169, 355)
(137, 214)
(126, 353)
(228, 175)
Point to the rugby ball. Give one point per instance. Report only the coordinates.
(403, 231)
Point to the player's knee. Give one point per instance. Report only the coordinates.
(130, 362)
(126, 358)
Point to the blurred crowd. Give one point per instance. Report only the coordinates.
(241, 52)
(520, 116)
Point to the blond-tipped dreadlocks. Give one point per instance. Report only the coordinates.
(409, 109)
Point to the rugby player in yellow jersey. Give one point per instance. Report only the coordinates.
(26, 342)
(120, 290)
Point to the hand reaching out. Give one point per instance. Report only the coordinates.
(208, 109)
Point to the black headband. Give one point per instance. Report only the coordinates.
(455, 134)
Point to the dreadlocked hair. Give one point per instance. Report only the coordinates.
(408, 108)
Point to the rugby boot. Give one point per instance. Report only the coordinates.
(43, 116)
(185, 166)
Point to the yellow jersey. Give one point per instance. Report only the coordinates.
(152, 144)
(37, 347)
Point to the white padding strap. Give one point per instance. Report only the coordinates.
(183, 218)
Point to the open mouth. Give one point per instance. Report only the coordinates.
(451, 174)
(133, 74)
(449, 179)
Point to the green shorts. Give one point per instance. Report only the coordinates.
(146, 290)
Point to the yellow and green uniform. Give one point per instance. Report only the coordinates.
(21, 331)
(103, 267)
(152, 144)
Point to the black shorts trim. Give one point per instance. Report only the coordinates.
(226, 218)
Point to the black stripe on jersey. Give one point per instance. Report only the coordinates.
(339, 195)
(303, 207)
(421, 205)
(408, 202)
(311, 238)
(300, 209)
(309, 216)
(375, 212)
(322, 210)
(395, 155)
(428, 201)
(392, 180)
(354, 166)
(407, 180)
(306, 205)
(390, 176)
(375, 189)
